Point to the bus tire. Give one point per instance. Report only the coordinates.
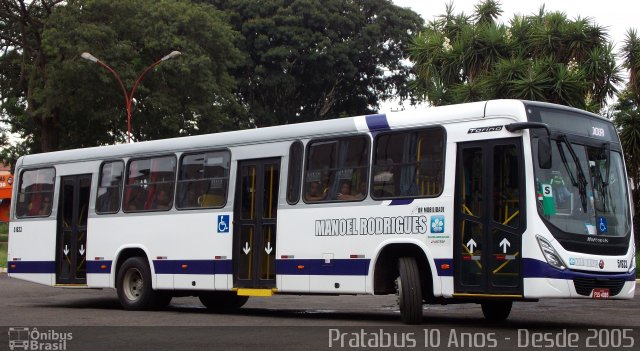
(496, 311)
(134, 285)
(409, 291)
(222, 301)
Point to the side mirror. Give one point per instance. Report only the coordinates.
(544, 153)
(544, 144)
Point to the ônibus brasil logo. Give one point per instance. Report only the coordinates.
(23, 338)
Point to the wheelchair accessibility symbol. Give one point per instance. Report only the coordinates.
(602, 224)
(223, 223)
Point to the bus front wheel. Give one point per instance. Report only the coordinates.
(134, 285)
(409, 291)
(496, 311)
(222, 301)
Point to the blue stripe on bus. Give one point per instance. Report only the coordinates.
(397, 202)
(444, 272)
(31, 267)
(95, 267)
(377, 123)
(193, 266)
(190, 266)
(319, 267)
(533, 268)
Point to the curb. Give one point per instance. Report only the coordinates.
(3, 270)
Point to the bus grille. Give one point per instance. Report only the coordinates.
(585, 285)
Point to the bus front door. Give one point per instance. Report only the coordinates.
(71, 248)
(489, 218)
(255, 213)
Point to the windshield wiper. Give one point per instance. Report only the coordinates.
(606, 149)
(581, 181)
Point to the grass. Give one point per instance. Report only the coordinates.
(3, 255)
(4, 229)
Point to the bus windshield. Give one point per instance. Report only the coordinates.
(585, 191)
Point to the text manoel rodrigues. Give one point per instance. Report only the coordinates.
(372, 225)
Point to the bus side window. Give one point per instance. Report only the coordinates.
(408, 164)
(35, 193)
(110, 187)
(337, 169)
(294, 177)
(149, 185)
(203, 180)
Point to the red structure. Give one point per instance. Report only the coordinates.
(6, 187)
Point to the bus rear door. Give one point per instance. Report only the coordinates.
(71, 245)
(255, 213)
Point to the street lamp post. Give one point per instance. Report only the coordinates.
(128, 97)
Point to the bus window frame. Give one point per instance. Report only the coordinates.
(121, 190)
(409, 130)
(335, 138)
(126, 179)
(53, 191)
(178, 172)
(300, 172)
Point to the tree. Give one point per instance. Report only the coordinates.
(82, 103)
(626, 117)
(544, 57)
(312, 59)
(22, 67)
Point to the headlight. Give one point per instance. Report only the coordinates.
(550, 254)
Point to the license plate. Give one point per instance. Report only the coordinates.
(600, 293)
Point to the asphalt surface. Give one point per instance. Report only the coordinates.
(96, 321)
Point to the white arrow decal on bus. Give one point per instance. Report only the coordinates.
(268, 248)
(81, 250)
(246, 248)
(471, 245)
(66, 250)
(504, 243)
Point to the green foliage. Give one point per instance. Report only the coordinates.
(544, 57)
(626, 117)
(312, 59)
(245, 63)
(3, 255)
(4, 230)
(56, 100)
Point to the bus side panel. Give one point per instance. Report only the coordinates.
(331, 248)
(185, 249)
(31, 254)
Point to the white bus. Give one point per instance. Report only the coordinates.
(488, 202)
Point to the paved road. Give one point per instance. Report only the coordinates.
(94, 318)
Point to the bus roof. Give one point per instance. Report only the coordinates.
(395, 120)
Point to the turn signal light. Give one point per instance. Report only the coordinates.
(301, 267)
(104, 266)
(445, 266)
(184, 266)
(13, 266)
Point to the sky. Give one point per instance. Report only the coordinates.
(616, 15)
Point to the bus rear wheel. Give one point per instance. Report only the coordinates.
(409, 291)
(222, 301)
(134, 285)
(496, 311)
